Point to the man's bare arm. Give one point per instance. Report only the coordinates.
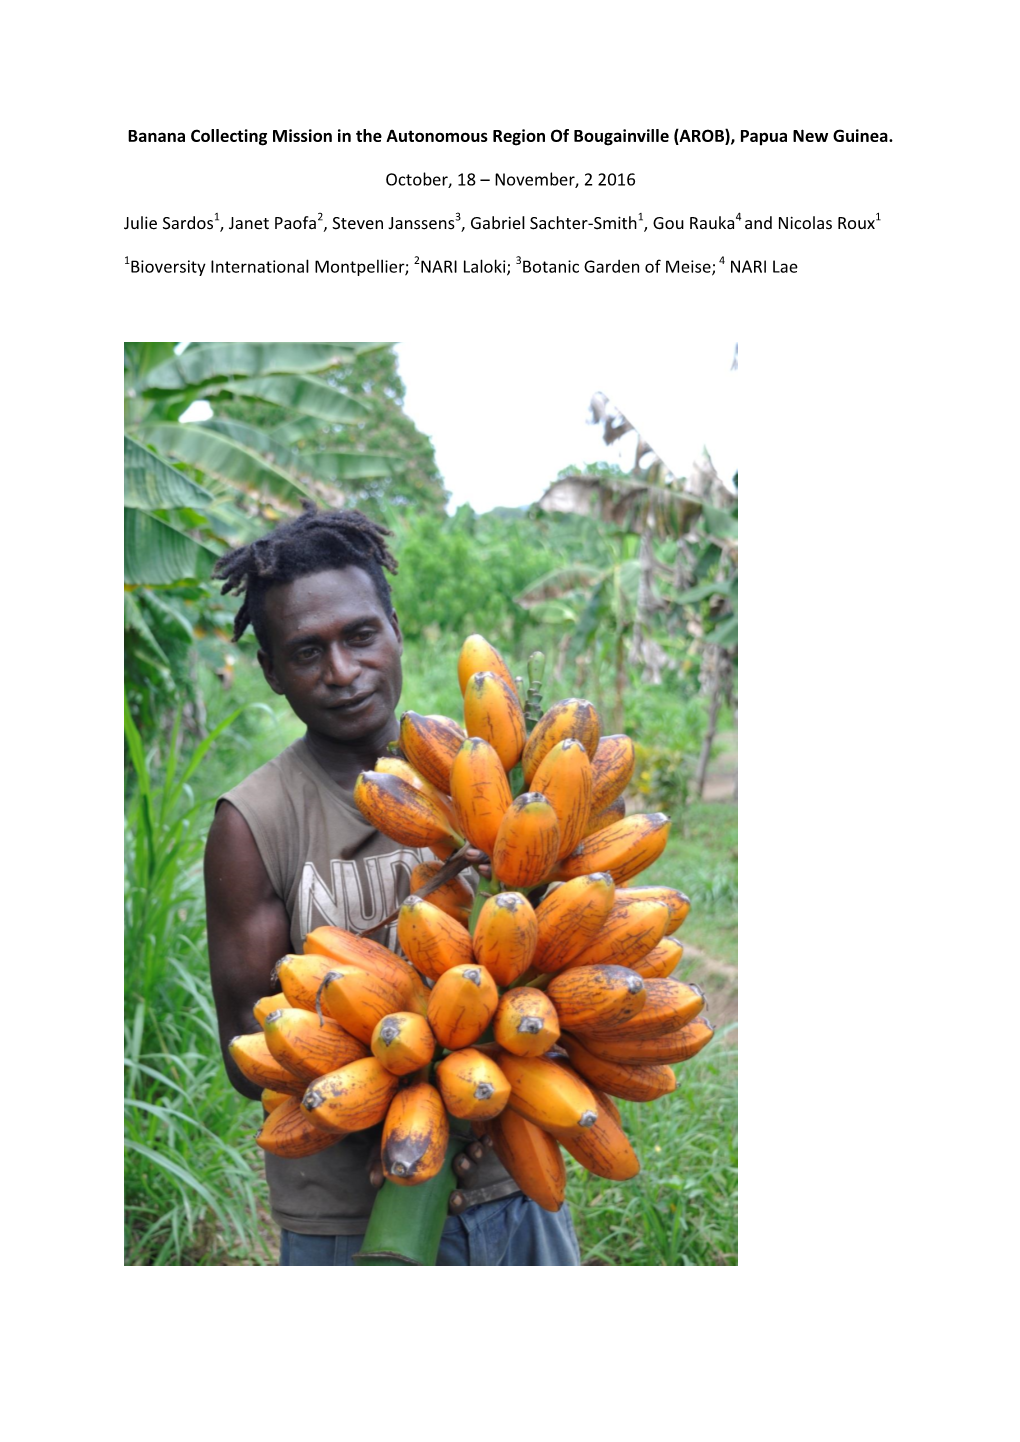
(248, 930)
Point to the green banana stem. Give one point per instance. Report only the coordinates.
(406, 1224)
(485, 890)
(533, 702)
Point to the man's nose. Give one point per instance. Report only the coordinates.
(342, 667)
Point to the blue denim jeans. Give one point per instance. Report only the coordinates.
(510, 1232)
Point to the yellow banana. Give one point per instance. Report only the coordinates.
(399, 811)
(287, 1132)
(415, 1135)
(661, 961)
(480, 792)
(573, 717)
(461, 1005)
(623, 849)
(527, 842)
(531, 1156)
(548, 1095)
(593, 996)
(611, 768)
(506, 933)
(493, 712)
(669, 1005)
(477, 654)
(430, 743)
(563, 777)
(431, 940)
(677, 1046)
(526, 1022)
(631, 1083)
(679, 904)
(351, 1098)
(472, 1085)
(631, 929)
(569, 917)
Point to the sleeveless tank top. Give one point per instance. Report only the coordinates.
(330, 867)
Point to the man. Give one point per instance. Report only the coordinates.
(288, 851)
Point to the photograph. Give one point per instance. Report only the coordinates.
(431, 787)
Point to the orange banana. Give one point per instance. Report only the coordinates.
(569, 917)
(403, 1042)
(526, 1022)
(563, 777)
(287, 1132)
(455, 896)
(300, 977)
(306, 1048)
(531, 1156)
(358, 1001)
(589, 996)
(668, 1006)
(477, 654)
(622, 849)
(506, 932)
(255, 1061)
(573, 717)
(461, 1005)
(430, 743)
(431, 940)
(399, 811)
(272, 1099)
(611, 768)
(345, 949)
(632, 928)
(679, 904)
(547, 1094)
(527, 843)
(677, 1046)
(632, 1083)
(396, 766)
(266, 1004)
(661, 961)
(493, 712)
(480, 791)
(351, 1098)
(472, 1085)
(415, 1134)
(609, 816)
(604, 1150)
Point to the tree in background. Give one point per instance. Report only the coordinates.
(382, 428)
(288, 422)
(645, 507)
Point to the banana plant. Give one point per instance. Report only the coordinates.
(193, 489)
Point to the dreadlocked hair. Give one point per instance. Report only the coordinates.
(314, 541)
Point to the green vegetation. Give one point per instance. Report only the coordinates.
(680, 1210)
(199, 718)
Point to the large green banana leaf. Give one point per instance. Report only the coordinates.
(155, 554)
(340, 466)
(152, 485)
(205, 361)
(303, 393)
(322, 465)
(224, 458)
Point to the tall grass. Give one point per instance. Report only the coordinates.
(192, 1188)
(681, 1208)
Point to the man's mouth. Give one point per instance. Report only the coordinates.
(352, 704)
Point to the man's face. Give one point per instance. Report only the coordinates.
(334, 653)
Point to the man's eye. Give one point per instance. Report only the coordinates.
(307, 653)
(363, 638)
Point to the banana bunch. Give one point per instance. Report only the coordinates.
(520, 1017)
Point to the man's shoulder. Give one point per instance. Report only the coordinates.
(271, 781)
